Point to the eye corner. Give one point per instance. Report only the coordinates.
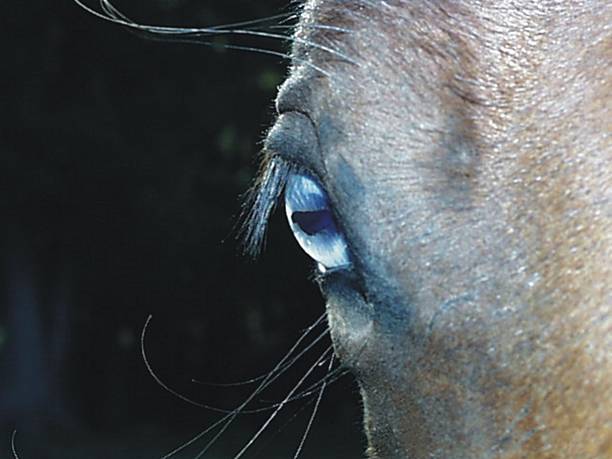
(294, 138)
(342, 276)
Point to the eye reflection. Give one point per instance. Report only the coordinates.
(312, 222)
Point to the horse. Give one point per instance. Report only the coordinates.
(448, 167)
(463, 154)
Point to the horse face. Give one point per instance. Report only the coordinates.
(465, 150)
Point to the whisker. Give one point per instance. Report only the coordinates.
(230, 417)
(226, 420)
(111, 10)
(328, 379)
(280, 407)
(286, 423)
(246, 382)
(271, 376)
(194, 439)
(294, 416)
(279, 372)
(199, 41)
(252, 22)
(327, 27)
(13, 445)
(314, 412)
(113, 15)
(314, 26)
(196, 37)
(314, 386)
(108, 7)
(310, 43)
(279, 54)
(157, 379)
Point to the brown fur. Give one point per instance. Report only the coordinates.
(467, 150)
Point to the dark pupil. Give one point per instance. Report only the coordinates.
(313, 222)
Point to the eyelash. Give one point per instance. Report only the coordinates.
(261, 201)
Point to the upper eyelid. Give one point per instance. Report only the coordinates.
(291, 146)
(295, 168)
(294, 138)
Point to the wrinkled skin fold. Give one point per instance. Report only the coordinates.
(466, 150)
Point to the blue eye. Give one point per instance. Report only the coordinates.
(312, 222)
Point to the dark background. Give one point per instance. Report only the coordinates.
(122, 164)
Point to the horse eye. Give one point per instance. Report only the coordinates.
(312, 222)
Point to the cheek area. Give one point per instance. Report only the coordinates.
(350, 319)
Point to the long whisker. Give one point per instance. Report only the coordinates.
(292, 418)
(310, 43)
(280, 54)
(157, 379)
(281, 406)
(282, 16)
(112, 11)
(198, 41)
(271, 376)
(314, 412)
(313, 389)
(328, 379)
(201, 434)
(315, 27)
(232, 416)
(13, 445)
(115, 16)
(310, 389)
(195, 438)
(246, 382)
(227, 419)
